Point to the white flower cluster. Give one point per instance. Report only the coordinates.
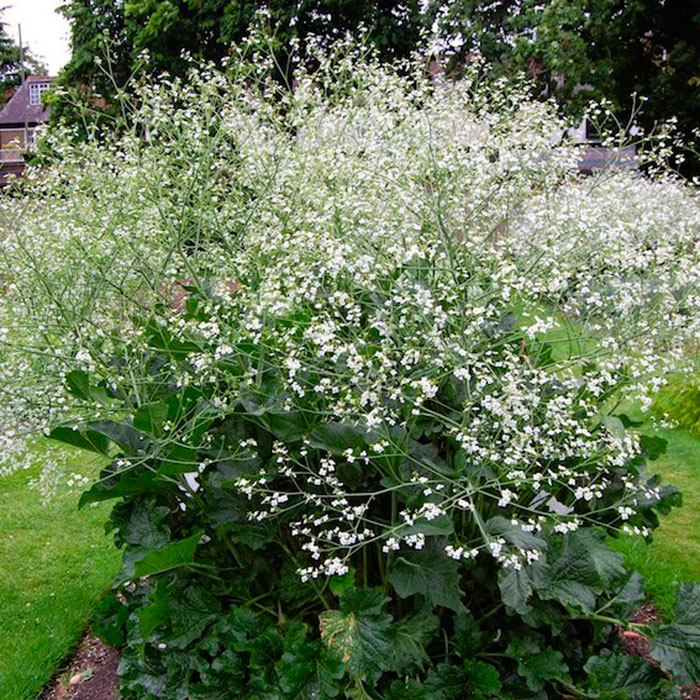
(417, 261)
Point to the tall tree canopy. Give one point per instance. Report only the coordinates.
(10, 68)
(207, 28)
(574, 50)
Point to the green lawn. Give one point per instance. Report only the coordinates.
(673, 556)
(55, 561)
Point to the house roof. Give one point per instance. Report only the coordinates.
(18, 109)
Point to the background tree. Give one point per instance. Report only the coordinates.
(577, 50)
(574, 50)
(10, 69)
(205, 29)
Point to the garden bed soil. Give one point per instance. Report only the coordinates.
(91, 674)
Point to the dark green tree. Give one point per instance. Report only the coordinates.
(153, 34)
(10, 68)
(576, 50)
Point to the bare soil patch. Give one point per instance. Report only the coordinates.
(90, 675)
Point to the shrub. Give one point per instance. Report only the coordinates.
(679, 402)
(363, 443)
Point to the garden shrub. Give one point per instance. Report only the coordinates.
(678, 401)
(355, 361)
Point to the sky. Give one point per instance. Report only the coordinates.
(43, 30)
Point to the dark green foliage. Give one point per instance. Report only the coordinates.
(10, 67)
(578, 50)
(679, 401)
(429, 573)
(206, 29)
(211, 604)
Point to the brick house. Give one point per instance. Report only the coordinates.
(24, 112)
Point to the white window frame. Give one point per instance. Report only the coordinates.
(36, 90)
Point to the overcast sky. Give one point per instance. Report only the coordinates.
(43, 30)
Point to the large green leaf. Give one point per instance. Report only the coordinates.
(536, 665)
(409, 639)
(140, 524)
(308, 669)
(483, 680)
(117, 482)
(156, 613)
(79, 385)
(473, 680)
(185, 612)
(428, 572)
(627, 677)
(677, 647)
(579, 566)
(687, 609)
(171, 556)
(84, 439)
(516, 589)
(358, 633)
(128, 438)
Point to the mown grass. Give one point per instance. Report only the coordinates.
(673, 555)
(55, 562)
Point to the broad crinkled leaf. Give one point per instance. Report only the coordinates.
(537, 665)
(171, 556)
(483, 680)
(627, 677)
(579, 566)
(687, 609)
(430, 573)
(409, 639)
(516, 588)
(473, 680)
(190, 612)
(308, 669)
(677, 647)
(358, 633)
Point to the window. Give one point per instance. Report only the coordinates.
(36, 90)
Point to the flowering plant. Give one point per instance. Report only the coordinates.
(355, 360)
